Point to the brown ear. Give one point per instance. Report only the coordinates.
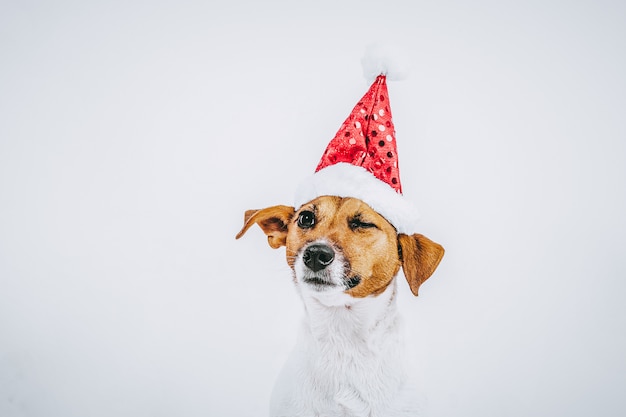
(420, 257)
(273, 221)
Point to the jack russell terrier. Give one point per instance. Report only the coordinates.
(349, 358)
(346, 238)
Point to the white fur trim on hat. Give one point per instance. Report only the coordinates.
(347, 180)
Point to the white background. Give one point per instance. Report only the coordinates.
(133, 136)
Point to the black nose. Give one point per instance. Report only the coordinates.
(318, 256)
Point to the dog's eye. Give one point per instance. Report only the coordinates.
(359, 224)
(306, 219)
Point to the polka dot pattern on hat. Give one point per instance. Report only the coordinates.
(367, 137)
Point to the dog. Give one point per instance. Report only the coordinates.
(345, 257)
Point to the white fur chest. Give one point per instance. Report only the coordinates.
(348, 361)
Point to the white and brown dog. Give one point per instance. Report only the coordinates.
(349, 360)
(346, 237)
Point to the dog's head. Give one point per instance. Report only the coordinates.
(342, 245)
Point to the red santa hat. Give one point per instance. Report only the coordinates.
(361, 161)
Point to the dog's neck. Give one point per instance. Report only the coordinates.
(351, 351)
(341, 317)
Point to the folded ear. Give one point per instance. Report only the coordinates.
(273, 221)
(420, 257)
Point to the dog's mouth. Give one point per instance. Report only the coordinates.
(324, 281)
(318, 282)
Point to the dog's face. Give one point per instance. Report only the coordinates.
(341, 245)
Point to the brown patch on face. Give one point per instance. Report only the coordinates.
(367, 240)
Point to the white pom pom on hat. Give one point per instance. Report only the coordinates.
(361, 161)
(389, 60)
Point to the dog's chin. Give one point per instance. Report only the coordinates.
(317, 282)
(322, 282)
(325, 293)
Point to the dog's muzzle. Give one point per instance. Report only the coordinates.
(324, 269)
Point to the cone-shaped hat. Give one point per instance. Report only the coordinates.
(367, 137)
